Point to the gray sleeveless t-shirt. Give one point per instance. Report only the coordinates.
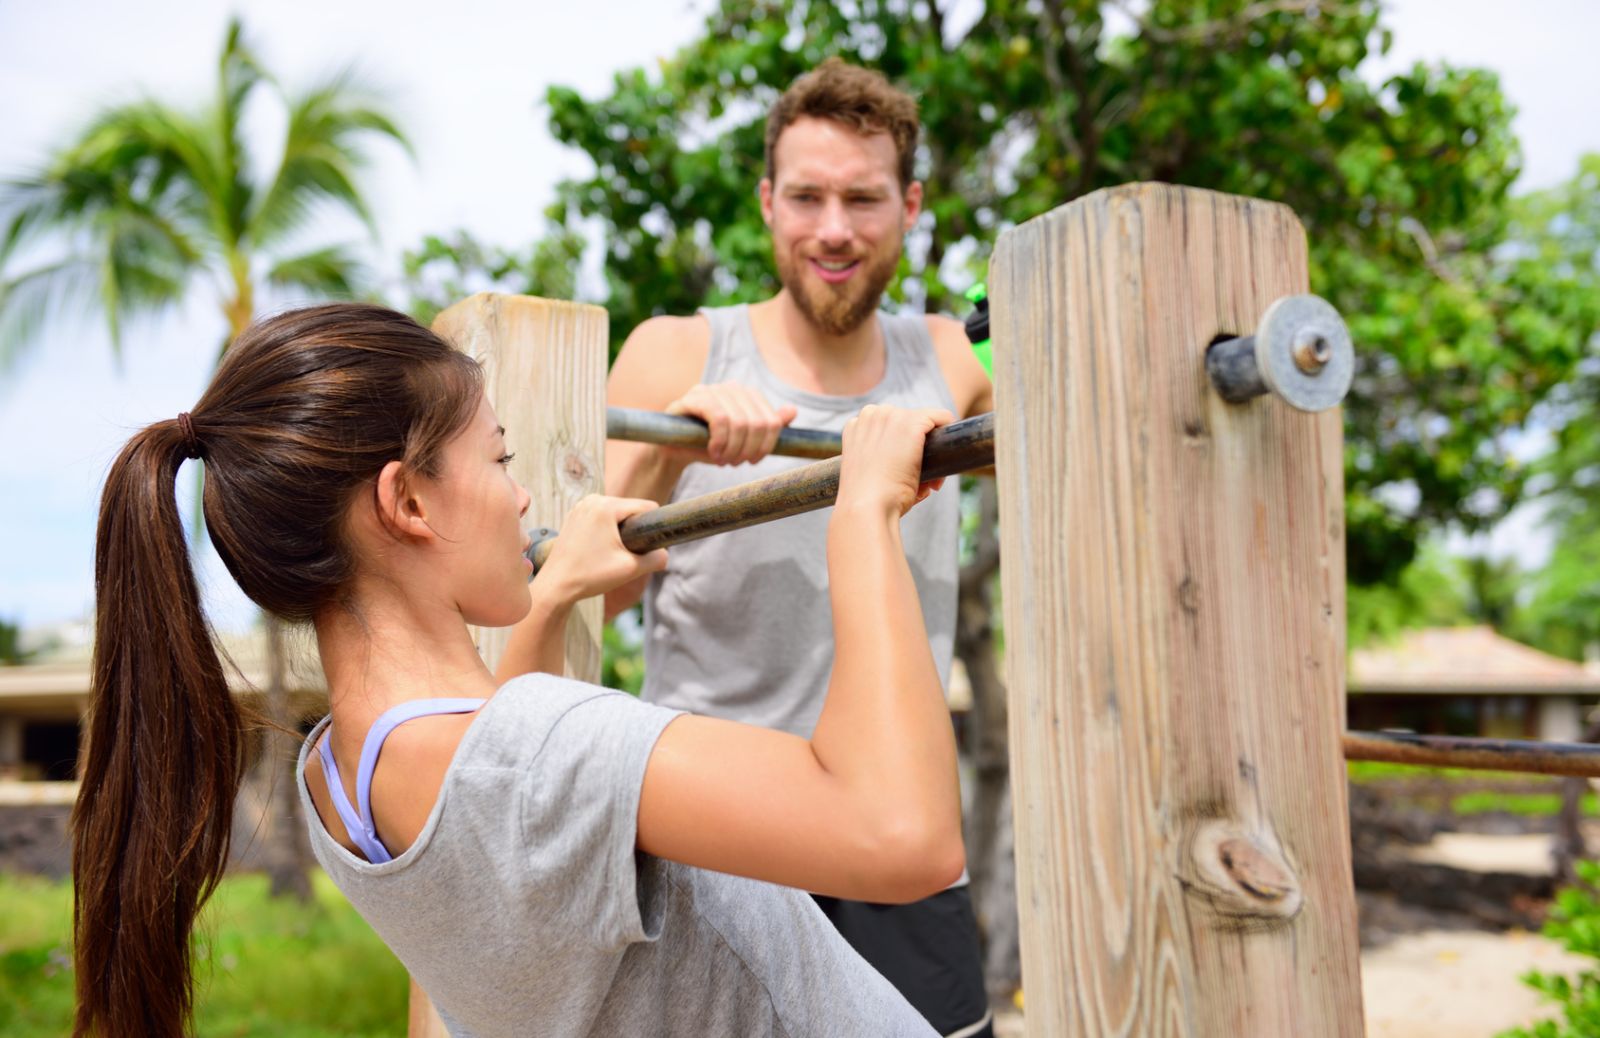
(739, 625)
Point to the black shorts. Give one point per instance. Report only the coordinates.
(928, 950)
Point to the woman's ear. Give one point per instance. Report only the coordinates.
(401, 510)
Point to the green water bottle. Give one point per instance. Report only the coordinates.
(978, 327)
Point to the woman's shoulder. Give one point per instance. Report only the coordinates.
(545, 698)
(518, 721)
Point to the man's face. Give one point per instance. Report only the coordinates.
(837, 216)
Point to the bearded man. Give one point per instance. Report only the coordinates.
(739, 626)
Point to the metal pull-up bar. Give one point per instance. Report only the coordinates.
(957, 447)
(673, 430)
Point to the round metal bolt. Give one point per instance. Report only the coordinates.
(1303, 353)
(1300, 352)
(1312, 352)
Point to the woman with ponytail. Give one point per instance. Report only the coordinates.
(544, 856)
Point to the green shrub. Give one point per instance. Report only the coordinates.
(1545, 804)
(1575, 922)
(263, 967)
(1377, 770)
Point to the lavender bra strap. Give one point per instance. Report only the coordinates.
(359, 824)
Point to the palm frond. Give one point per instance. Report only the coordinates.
(329, 272)
(140, 156)
(29, 206)
(139, 251)
(239, 72)
(146, 145)
(321, 156)
(147, 268)
(44, 294)
(145, 195)
(123, 192)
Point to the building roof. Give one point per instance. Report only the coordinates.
(1465, 661)
(63, 676)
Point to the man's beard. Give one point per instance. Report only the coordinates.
(839, 309)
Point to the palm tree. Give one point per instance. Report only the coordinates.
(148, 203)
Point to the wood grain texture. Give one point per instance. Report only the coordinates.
(1174, 608)
(544, 364)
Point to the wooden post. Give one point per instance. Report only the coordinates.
(1174, 607)
(544, 364)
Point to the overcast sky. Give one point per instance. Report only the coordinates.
(465, 79)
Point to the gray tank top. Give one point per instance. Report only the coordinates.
(739, 625)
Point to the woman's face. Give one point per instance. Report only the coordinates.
(477, 511)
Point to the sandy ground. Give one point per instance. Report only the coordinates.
(1450, 983)
(1440, 984)
(1456, 984)
(1529, 855)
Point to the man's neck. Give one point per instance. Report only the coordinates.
(812, 360)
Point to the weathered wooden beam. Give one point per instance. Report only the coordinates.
(544, 364)
(1174, 610)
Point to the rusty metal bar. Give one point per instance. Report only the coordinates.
(1451, 751)
(958, 447)
(671, 430)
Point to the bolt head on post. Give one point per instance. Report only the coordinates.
(1312, 352)
(1303, 352)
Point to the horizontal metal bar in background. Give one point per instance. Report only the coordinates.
(1452, 751)
(671, 430)
(958, 447)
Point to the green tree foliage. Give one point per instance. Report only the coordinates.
(1563, 237)
(1563, 614)
(11, 651)
(1492, 586)
(1554, 247)
(1432, 591)
(1437, 589)
(622, 656)
(1403, 189)
(149, 200)
(446, 270)
(1575, 922)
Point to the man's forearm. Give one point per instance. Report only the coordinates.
(642, 470)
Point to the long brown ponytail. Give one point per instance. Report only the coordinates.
(304, 411)
(150, 832)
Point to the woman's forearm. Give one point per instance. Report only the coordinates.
(538, 641)
(885, 728)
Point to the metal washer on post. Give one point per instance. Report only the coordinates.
(1303, 352)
